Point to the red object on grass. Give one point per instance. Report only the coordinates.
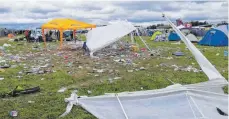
(143, 49)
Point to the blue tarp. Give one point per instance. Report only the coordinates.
(215, 37)
(173, 37)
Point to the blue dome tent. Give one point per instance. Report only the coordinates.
(216, 37)
(173, 37)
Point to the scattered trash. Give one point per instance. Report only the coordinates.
(6, 45)
(110, 80)
(31, 101)
(217, 54)
(89, 92)
(80, 67)
(100, 70)
(11, 40)
(61, 90)
(169, 58)
(116, 78)
(225, 53)
(178, 53)
(1, 79)
(42, 79)
(13, 113)
(142, 68)
(130, 71)
(5, 66)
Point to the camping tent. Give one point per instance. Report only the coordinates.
(192, 38)
(216, 36)
(195, 101)
(173, 37)
(155, 34)
(2, 32)
(62, 24)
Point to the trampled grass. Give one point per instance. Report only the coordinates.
(49, 104)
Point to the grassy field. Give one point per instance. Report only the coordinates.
(74, 71)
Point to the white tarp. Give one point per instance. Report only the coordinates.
(167, 103)
(103, 36)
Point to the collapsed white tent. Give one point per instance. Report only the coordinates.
(192, 38)
(195, 101)
(103, 36)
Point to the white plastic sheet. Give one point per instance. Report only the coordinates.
(103, 36)
(167, 103)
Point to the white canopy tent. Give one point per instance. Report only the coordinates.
(195, 101)
(104, 36)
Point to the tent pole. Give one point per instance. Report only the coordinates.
(121, 106)
(74, 35)
(204, 63)
(61, 39)
(143, 42)
(43, 35)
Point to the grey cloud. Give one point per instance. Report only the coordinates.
(44, 11)
(148, 5)
(4, 10)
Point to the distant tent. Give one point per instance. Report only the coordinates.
(173, 37)
(10, 35)
(155, 34)
(150, 33)
(216, 37)
(192, 38)
(2, 32)
(198, 32)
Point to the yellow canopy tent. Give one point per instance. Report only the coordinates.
(62, 24)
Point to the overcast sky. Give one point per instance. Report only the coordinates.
(101, 12)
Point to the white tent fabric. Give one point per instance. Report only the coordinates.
(192, 38)
(103, 36)
(223, 28)
(132, 38)
(167, 103)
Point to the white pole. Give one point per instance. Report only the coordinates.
(205, 65)
(121, 106)
(143, 42)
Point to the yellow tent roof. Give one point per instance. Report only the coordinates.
(66, 24)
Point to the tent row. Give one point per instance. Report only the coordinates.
(214, 37)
